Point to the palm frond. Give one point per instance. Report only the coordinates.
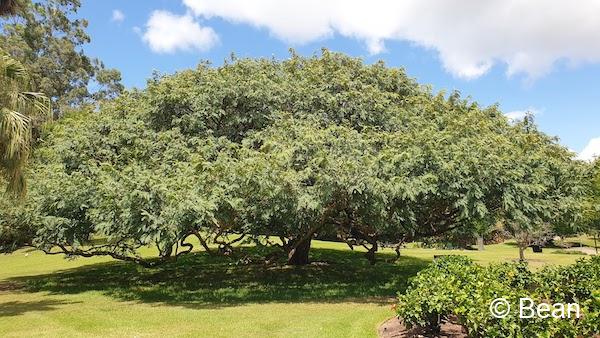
(17, 107)
(15, 136)
(12, 69)
(35, 104)
(13, 172)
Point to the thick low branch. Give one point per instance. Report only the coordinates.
(202, 242)
(103, 251)
(189, 247)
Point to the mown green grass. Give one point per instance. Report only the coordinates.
(582, 241)
(340, 295)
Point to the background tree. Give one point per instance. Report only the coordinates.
(47, 38)
(546, 189)
(591, 213)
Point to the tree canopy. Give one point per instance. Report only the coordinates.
(47, 38)
(278, 152)
(591, 209)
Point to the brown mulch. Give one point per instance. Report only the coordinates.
(394, 328)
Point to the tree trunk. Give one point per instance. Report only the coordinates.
(397, 250)
(299, 254)
(522, 253)
(8, 7)
(371, 253)
(595, 243)
(480, 243)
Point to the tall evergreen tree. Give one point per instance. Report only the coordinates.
(47, 38)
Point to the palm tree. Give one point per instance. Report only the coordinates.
(17, 107)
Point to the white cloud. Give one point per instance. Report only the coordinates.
(470, 36)
(167, 33)
(118, 16)
(591, 151)
(518, 115)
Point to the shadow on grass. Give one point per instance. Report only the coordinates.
(15, 308)
(564, 245)
(200, 280)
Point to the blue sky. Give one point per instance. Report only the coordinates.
(537, 55)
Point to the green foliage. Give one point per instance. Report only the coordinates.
(458, 288)
(120, 182)
(246, 94)
(47, 39)
(291, 149)
(18, 107)
(591, 209)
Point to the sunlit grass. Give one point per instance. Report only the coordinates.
(341, 295)
(582, 241)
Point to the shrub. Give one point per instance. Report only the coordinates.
(457, 288)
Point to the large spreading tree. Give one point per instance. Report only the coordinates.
(280, 152)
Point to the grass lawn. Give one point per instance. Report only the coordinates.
(340, 295)
(582, 241)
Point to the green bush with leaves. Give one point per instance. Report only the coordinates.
(455, 288)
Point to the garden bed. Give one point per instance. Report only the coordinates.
(394, 328)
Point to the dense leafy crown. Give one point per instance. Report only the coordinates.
(294, 149)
